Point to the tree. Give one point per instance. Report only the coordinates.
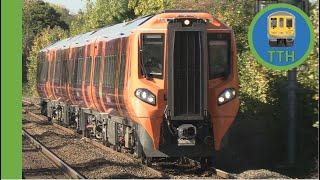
(65, 15)
(100, 14)
(146, 7)
(37, 15)
(43, 39)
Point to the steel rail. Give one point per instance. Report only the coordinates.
(54, 158)
(218, 172)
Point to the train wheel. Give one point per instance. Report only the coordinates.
(138, 150)
(289, 43)
(44, 108)
(118, 148)
(146, 160)
(273, 43)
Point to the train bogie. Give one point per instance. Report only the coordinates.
(160, 86)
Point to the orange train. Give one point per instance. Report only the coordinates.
(162, 85)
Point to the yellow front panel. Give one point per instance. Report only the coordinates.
(283, 26)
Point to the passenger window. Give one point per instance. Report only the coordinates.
(281, 22)
(65, 70)
(97, 70)
(80, 71)
(105, 72)
(273, 22)
(152, 51)
(57, 71)
(70, 74)
(109, 71)
(219, 55)
(289, 23)
(88, 69)
(51, 71)
(44, 75)
(112, 70)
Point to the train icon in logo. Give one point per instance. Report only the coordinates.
(281, 29)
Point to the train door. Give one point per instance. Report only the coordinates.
(77, 80)
(108, 88)
(96, 79)
(46, 73)
(103, 68)
(53, 73)
(187, 78)
(57, 75)
(117, 75)
(50, 75)
(121, 76)
(86, 86)
(41, 74)
(64, 74)
(71, 74)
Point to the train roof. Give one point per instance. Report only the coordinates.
(106, 33)
(280, 13)
(110, 32)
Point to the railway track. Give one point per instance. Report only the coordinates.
(63, 166)
(173, 170)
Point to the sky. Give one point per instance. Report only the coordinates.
(75, 5)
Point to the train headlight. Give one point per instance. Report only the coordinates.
(146, 96)
(226, 96)
(186, 22)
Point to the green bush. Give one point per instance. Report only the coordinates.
(43, 39)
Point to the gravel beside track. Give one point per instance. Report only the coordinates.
(36, 165)
(94, 162)
(102, 163)
(87, 159)
(261, 174)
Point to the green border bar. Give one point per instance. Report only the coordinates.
(11, 77)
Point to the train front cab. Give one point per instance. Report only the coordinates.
(185, 104)
(281, 29)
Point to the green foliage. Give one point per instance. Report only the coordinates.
(237, 16)
(261, 89)
(310, 79)
(37, 15)
(146, 7)
(100, 14)
(43, 39)
(65, 13)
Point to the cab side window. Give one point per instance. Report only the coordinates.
(219, 51)
(88, 69)
(289, 22)
(273, 22)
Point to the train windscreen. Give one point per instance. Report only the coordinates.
(219, 54)
(273, 22)
(289, 22)
(152, 55)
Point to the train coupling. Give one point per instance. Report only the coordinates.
(186, 135)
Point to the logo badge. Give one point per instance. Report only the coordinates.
(281, 37)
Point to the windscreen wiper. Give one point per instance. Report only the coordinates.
(143, 68)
